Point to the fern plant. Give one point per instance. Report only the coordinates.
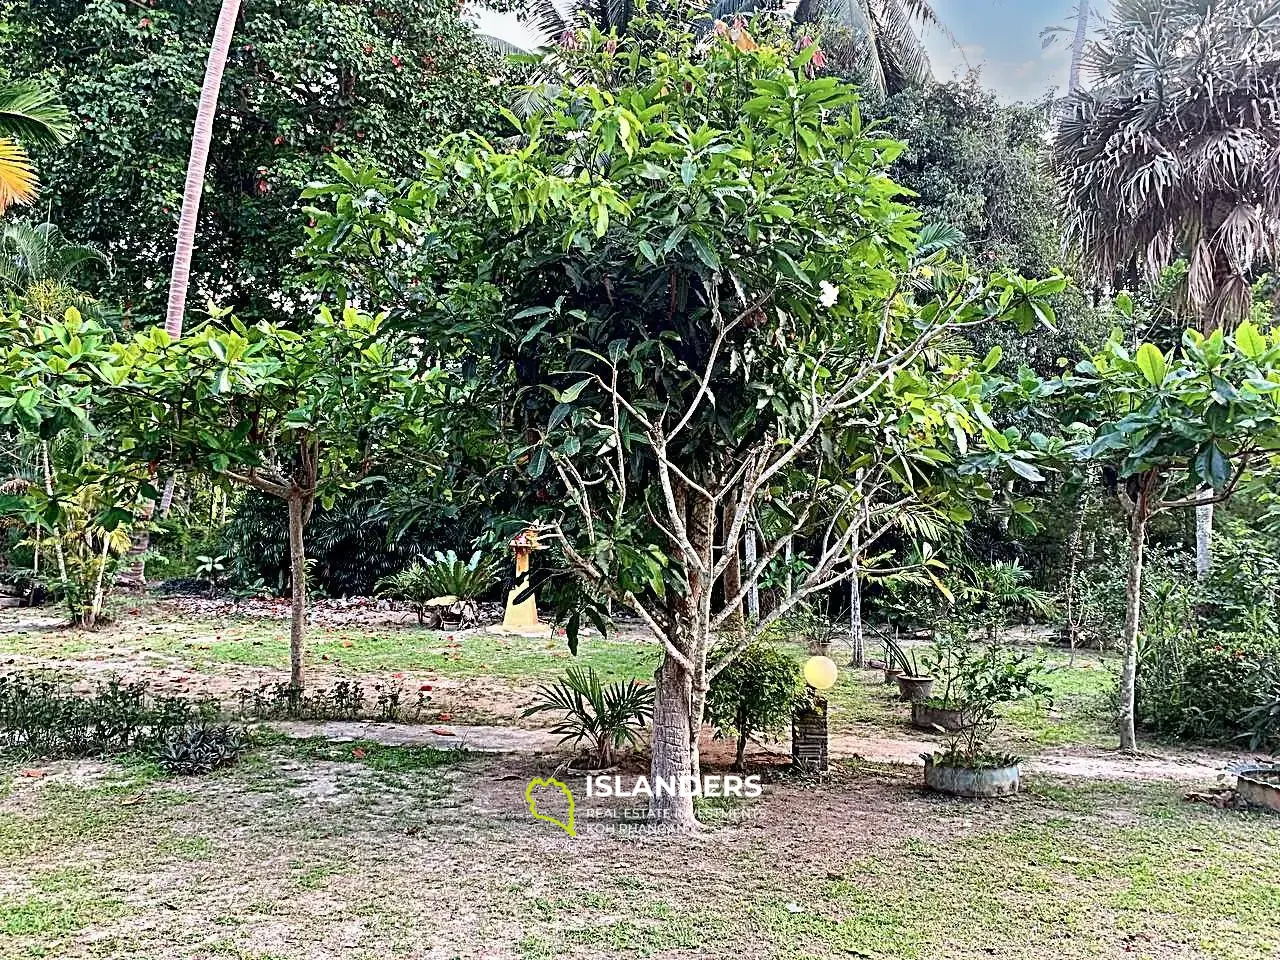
(606, 717)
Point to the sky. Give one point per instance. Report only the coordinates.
(1002, 39)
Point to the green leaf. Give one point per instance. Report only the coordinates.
(1212, 466)
(1251, 343)
(572, 393)
(1152, 364)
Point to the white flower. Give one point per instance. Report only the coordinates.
(830, 294)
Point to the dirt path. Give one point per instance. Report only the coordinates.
(1080, 762)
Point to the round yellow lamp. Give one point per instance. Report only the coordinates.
(820, 673)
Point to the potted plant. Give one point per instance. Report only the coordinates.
(968, 767)
(943, 707)
(914, 684)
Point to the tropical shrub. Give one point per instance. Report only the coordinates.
(450, 576)
(40, 718)
(978, 679)
(412, 585)
(754, 694)
(1210, 687)
(606, 717)
(200, 749)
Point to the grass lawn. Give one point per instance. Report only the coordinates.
(205, 644)
(312, 849)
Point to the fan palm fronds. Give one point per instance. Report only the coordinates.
(1175, 151)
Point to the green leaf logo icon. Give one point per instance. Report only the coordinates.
(537, 783)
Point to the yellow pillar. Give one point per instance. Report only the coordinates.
(524, 614)
(522, 617)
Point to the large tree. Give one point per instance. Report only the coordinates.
(1173, 153)
(878, 41)
(704, 310)
(304, 79)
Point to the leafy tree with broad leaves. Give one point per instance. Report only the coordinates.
(874, 40)
(297, 414)
(700, 302)
(1173, 154)
(304, 79)
(1175, 429)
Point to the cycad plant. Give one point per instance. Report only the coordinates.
(606, 717)
(29, 115)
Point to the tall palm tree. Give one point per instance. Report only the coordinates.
(193, 189)
(1174, 154)
(31, 114)
(876, 38)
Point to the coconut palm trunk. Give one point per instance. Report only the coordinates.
(193, 189)
(197, 161)
(1077, 46)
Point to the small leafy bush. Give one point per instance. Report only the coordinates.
(1215, 687)
(754, 694)
(343, 700)
(412, 585)
(41, 719)
(978, 678)
(606, 717)
(200, 749)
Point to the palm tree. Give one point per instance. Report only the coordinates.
(31, 114)
(201, 137)
(874, 38)
(1174, 154)
(34, 253)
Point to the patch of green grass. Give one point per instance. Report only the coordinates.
(203, 643)
(377, 756)
(1078, 709)
(1194, 882)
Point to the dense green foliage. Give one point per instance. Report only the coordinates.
(305, 80)
(754, 694)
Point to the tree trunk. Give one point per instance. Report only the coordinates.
(857, 640)
(298, 582)
(1075, 545)
(740, 758)
(1077, 46)
(1204, 536)
(731, 579)
(753, 589)
(100, 583)
(1132, 624)
(672, 758)
(166, 496)
(201, 137)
